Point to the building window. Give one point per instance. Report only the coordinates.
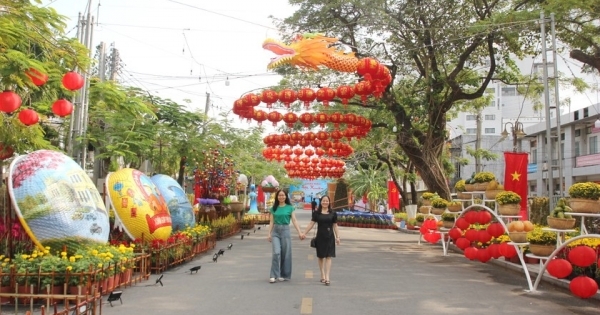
(493, 103)
(509, 91)
(490, 117)
(576, 148)
(577, 132)
(562, 136)
(585, 112)
(490, 130)
(533, 156)
(471, 131)
(471, 117)
(593, 142)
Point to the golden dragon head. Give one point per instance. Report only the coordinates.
(307, 51)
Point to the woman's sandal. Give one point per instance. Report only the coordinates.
(327, 283)
(322, 280)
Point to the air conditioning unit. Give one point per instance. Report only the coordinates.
(545, 167)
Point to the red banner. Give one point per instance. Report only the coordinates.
(261, 195)
(515, 177)
(393, 196)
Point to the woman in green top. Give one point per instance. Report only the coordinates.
(279, 236)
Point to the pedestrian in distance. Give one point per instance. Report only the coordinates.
(327, 236)
(282, 213)
(313, 205)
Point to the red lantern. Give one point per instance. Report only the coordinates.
(508, 251)
(325, 95)
(494, 250)
(462, 243)
(559, 268)
(455, 233)
(290, 119)
(483, 255)
(495, 229)
(484, 217)
(367, 67)
(483, 236)
(287, 96)
(5, 152)
(274, 117)
(250, 100)
(298, 151)
(62, 108)
(37, 77)
(363, 88)
(350, 119)
(471, 253)
(322, 135)
(462, 223)
(307, 95)
(29, 117)
(345, 92)
(9, 101)
(269, 97)
(306, 119)
(582, 256)
(72, 81)
(321, 119)
(583, 287)
(336, 119)
(471, 235)
(471, 216)
(260, 116)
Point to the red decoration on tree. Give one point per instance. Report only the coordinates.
(251, 100)
(307, 95)
(260, 116)
(582, 256)
(559, 268)
(29, 117)
(306, 119)
(290, 119)
(583, 287)
(345, 92)
(72, 81)
(364, 89)
(5, 152)
(287, 96)
(9, 101)
(350, 119)
(321, 119)
(62, 108)
(37, 77)
(336, 118)
(269, 97)
(336, 135)
(367, 67)
(274, 117)
(325, 95)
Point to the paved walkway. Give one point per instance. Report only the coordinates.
(376, 272)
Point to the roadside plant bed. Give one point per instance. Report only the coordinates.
(258, 219)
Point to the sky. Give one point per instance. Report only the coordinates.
(184, 49)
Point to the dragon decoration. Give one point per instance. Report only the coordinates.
(312, 155)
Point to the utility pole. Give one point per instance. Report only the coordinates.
(207, 104)
(548, 143)
(557, 101)
(478, 142)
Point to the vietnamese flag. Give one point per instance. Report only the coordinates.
(393, 196)
(515, 177)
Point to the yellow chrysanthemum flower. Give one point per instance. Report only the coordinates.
(69, 268)
(63, 253)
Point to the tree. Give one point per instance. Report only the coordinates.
(438, 52)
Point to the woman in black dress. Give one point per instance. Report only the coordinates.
(327, 236)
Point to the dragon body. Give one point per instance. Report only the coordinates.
(309, 51)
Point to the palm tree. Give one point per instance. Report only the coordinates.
(369, 181)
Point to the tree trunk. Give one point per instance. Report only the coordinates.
(181, 175)
(428, 165)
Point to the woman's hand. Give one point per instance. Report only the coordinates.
(269, 237)
(337, 240)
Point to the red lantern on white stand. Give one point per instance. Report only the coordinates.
(72, 81)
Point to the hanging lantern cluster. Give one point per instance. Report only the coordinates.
(313, 168)
(11, 101)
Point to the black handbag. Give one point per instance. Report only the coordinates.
(313, 242)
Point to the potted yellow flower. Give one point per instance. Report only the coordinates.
(508, 203)
(454, 206)
(438, 206)
(427, 197)
(448, 220)
(584, 197)
(541, 243)
(482, 179)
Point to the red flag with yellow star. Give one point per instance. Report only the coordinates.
(515, 177)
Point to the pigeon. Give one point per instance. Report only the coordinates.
(254, 230)
(195, 269)
(248, 234)
(215, 257)
(230, 246)
(259, 227)
(221, 252)
(242, 236)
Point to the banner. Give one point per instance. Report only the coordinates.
(515, 177)
(393, 196)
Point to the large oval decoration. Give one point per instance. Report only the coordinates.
(56, 201)
(182, 214)
(139, 205)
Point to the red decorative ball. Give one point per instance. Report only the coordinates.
(462, 243)
(471, 253)
(29, 117)
(483, 255)
(62, 108)
(9, 101)
(37, 77)
(582, 256)
(583, 287)
(559, 268)
(72, 81)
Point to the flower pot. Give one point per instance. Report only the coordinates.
(462, 195)
(491, 194)
(424, 209)
(74, 290)
(437, 211)
(426, 202)
(481, 186)
(236, 206)
(26, 289)
(448, 224)
(269, 189)
(561, 223)
(541, 250)
(455, 208)
(518, 237)
(469, 187)
(5, 289)
(581, 205)
(509, 209)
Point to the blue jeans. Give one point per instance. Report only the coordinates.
(281, 264)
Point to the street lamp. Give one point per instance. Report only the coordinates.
(516, 131)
